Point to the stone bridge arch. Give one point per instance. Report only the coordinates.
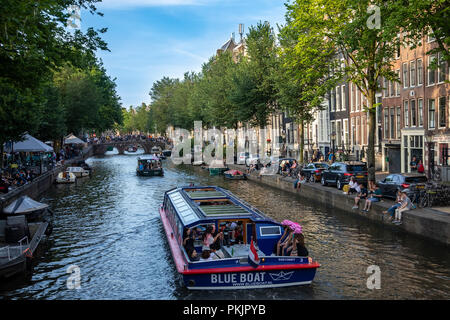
(121, 146)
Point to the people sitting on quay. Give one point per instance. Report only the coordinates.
(405, 205)
(301, 179)
(361, 195)
(354, 186)
(398, 201)
(374, 196)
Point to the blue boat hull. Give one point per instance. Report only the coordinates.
(249, 280)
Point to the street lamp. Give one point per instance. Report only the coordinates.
(333, 138)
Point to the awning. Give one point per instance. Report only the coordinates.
(29, 144)
(71, 139)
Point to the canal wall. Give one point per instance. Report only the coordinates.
(41, 183)
(428, 223)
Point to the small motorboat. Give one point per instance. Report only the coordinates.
(79, 172)
(66, 177)
(197, 163)
(26, 206)
(18, 243)
(132, 149)
(149, 166)
(235, 175)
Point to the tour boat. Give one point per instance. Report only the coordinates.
(18, 243)
(235, 175)
(79, 172)
(149, 166)
(66, 177)
(132, 149)
(249, 263)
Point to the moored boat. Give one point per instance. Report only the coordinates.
(235, 175)
(65, 177)
(245, 263)
(132, 149)
(79, 172)
(149, 166)
(18, 243)
(216, 167)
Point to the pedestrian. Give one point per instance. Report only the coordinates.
(420, 167)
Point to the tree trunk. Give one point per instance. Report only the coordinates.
(301, 143)
(372, 131)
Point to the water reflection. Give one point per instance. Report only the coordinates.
(109, 226)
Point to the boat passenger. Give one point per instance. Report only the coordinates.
(299, 248)
(188, 239)
(206, 256)
(282, 239)
(208, 238)
(238, 235)
(287, 246)
(192, 254)
(141, 167)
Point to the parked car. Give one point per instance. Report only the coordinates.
(252, 159)
(339, 173)
(313, 171)
(393, 182)
(242, 157)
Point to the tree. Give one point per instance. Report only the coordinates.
(367, 48)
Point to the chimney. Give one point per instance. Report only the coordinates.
(241, 30)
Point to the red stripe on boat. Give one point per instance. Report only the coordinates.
(174, 247)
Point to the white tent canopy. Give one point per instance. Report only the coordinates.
(71, 139)
(30, 144)
(23, 205)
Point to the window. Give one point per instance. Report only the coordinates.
(431, 113)
(343, 97)
(398, 123)
(405, 75)
(346, 137)
(386, 123)
(413, 113)
(431, 72)
(391, 88)
(412, 73)
(386, 88)
(419, 72)
(358, 131)
(406, 111)
(352, 106)
(333, 100)
(397, 84)
(441, 69)
(338, 98)
(442, 117)
(270, 231)
(420, 112)
(392, 122)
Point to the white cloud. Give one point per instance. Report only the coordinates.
(120, 4)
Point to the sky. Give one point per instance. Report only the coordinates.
(150, 39)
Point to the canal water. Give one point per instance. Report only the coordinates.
(108, 226)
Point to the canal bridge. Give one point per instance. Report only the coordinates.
(122, 145)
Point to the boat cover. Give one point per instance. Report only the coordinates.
(23, 205)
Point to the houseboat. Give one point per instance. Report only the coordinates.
(241, 263)
(149, 166)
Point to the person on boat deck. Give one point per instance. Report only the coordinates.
(188, 239)
(238, 235)
(298, 246)
(141, 166)
(208, 238)
(218, 239)
(286, 247)
(283, 238)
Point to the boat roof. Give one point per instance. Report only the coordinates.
(224, 205)
(148, 158)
